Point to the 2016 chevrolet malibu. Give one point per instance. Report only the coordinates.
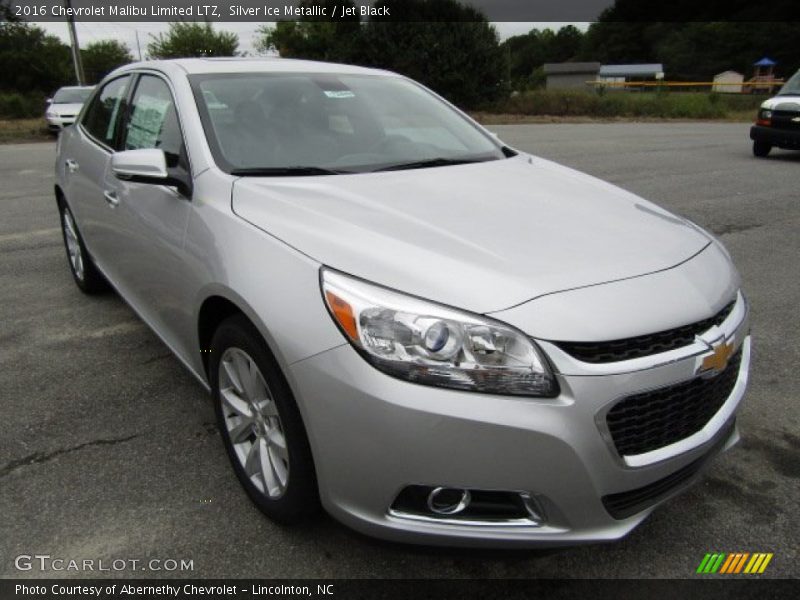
(438, 337)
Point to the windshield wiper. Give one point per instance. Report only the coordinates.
(283, 171)
(432, 162)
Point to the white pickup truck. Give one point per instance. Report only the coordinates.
(778, 121)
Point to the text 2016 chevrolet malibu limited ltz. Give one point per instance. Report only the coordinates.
(437, 338)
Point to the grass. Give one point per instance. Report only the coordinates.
(545, 106)
(23, 130)
(556, 105)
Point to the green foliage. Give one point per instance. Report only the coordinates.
(315, 39)
(192, 39)
(659, 104)
(527, 53)
(449, 47)
(100, 58)
(461, 61)
(14, 105)
(32, 60)
(695, 51)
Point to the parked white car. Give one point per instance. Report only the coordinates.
(65, 105)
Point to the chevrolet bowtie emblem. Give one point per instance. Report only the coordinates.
(717, 360)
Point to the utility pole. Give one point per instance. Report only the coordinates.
(138, 47)
(76, 50)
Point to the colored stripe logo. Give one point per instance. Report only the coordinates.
(735, 563)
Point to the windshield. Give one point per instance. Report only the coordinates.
(792, 86)
(72, 96)
(312, 124)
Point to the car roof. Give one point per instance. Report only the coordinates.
(251, 65)
(76, 87)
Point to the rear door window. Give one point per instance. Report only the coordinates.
(103, 115)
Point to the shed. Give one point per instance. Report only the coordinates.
(632, 72)
(728, 82)
(572, 75)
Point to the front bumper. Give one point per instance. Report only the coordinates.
(373, 435)
(788, 139)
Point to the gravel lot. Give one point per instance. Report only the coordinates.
(108, 447)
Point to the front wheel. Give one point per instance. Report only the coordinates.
(761, 149)
(260, 423)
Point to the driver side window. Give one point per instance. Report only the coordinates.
(153, 121)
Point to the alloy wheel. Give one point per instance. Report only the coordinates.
(253, 423)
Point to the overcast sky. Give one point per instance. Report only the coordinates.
(126, 32)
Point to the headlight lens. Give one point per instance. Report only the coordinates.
(426, 343)
(50, 114)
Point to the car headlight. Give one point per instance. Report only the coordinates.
(50, 114)
(430, 344)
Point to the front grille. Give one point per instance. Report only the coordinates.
(783, 119)
(625, 504)
(643, 345)
(651, 420)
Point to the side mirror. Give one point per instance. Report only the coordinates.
(48, 101)
(148, 165)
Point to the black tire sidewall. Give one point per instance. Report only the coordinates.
(761, 149)
(300, 499)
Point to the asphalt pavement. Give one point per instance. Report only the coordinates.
(108, 447)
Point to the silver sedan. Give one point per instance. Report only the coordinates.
(432, 335)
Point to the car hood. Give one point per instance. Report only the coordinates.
(482, 237)
(783, 102)
(65, 109)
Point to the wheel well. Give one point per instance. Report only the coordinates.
(214, 311)
(59, 196)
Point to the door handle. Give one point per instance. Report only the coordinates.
(111, 197)
(72, 165)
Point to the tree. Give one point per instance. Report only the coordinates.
(632, 31)
(100, 58)
(695, 51)
(449, 47)
(32, 60)
(528, 52)
(193, 39)
(313, 38)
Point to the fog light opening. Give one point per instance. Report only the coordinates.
(442, 504)
(448, 501)
(535, 512)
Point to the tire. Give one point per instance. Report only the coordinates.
(761, 149)
(268, 447)
(86, 275)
